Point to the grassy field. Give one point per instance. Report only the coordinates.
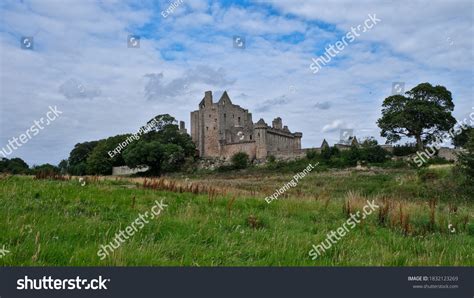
(223, 220)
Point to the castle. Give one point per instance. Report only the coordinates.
(221, 129)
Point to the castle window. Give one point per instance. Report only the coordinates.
(232, 116)
(239, 120)
(209, 115)
(207, 128)
(258, 134)
(215, 119)
(250, 137)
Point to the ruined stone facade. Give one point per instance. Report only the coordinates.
(222, 129)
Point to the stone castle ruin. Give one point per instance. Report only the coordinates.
(221, 129)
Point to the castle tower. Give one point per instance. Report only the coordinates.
(205, 127)
(260, 129)
(277, 123)
(297, 141)
(221, 129)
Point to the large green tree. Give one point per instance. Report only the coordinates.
(163, 148)
(14, 166)
(100, 162)
(422, 113)
(78, 157)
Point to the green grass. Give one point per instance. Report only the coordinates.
(61, 223)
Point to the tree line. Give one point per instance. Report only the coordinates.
(423, 113)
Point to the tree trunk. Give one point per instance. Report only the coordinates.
(419, 142)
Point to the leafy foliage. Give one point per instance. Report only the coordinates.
(405, 149)
(311, 154)
(422, 113)
(162, 149)
(45, 168)
(466, 159)
(99, 160)
(240, 160)
(14, 166)
(328, 152)
(461, 139)
(372, 152)
(78, 157)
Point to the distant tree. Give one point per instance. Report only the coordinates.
(48, 168)
(100, 162)
(405, 149)
(150, 153)
(158, 123)
(328, 152)
(353, 155)
(461, 139)
(466, 159)
(14, 166)
(334, 151)
(3, 164)
(311, 154)
(422, 113)
(163, 148)
(78, 157)
(240, 160)
(371, 151)
(63, 166)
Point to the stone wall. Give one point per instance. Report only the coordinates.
(124, 170)
(449, 153)
(280, 143)
(248, 147)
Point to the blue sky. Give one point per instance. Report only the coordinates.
(81, 63)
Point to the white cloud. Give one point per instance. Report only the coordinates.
(181, 56)
(336, 125)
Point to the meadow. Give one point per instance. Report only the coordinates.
(221, 219)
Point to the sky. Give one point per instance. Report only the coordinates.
(110, 66)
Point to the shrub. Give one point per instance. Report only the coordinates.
(240, 160)
(426, 175)
(271, 159)
(375, 154)
(46, 168)
(328, 152)
(371, 151)
(351, 156)
(404, 150)
(436, 160)
(466, 159)
(470, 229)
(311, 154)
